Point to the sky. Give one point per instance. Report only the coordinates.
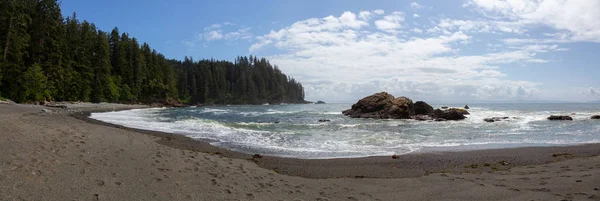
(343, 50)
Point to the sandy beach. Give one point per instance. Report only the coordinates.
(63, 155)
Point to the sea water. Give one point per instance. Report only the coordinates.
(295, 130)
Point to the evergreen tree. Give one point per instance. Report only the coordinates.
(44, 56)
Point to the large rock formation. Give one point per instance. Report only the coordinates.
(421, 107)
(384, 106)
(596, 117)
(381, 106)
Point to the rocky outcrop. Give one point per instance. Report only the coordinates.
(596, 117)
(323, 120)
(557, 117)
(450, 114)
(494, 119)
(381, 106)
(320, 102)
(459, 110)
(422, 108)
(400, 108)
(467, 107)
(385, 106)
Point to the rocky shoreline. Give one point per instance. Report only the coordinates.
(383, 105)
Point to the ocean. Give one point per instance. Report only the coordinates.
(295, 131)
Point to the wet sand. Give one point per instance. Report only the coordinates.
(66, 156)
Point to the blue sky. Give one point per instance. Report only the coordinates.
(470, 50)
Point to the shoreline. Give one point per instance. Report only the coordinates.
(415, 164)
(55, 156)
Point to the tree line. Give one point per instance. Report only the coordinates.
(45, 56)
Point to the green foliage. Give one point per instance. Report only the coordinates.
(45, 56)
(247, 81)
(34, 84)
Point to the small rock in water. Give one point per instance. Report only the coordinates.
(555, 117)
(276, 122)
(422, 117)
(494, 119)
(395, 156)
(255, 156)
(467, 107)
(596, 117)
(324, 120)
(444, 107)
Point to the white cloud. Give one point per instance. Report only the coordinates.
(391, 23)
(416, 15)
(213, 35)
(212, 27)
(379, 12)
(342, 60)
(364, 15)
(577, 18)
(482, 26)
(415, 5)
(240, 34)
(217, 32)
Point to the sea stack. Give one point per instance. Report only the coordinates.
(383, 105)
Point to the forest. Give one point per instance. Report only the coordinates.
(45, 56)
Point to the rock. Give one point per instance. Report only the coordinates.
(324, 120)
(462, 111)
(558, 117)
(395, 156)
(444, 107)
(422, 108)
(369, 107)
(448, 114)
(422, 117)
(400, 108)
(596, 117)
(46, 110)
(381, 106)
(320, 102)
(467, 107)
(493, 119)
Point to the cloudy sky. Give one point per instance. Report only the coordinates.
(443, 51)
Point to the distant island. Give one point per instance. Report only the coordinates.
(46, 57)
(320, 102)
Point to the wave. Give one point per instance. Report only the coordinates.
(214, 111)
(252, 130)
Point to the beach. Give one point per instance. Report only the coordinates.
(63, 155)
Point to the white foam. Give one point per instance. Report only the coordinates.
(358, 137)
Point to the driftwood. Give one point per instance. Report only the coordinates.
(56, 106)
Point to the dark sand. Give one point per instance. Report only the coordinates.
(60, 156)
